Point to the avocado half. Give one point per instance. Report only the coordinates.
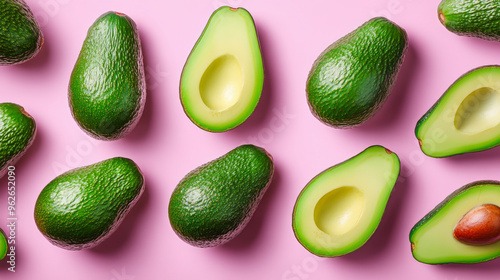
(222, 79)
(432, 238)
(3, 245)
(466, 118)
(339, 209)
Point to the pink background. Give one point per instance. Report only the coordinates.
(166, 145)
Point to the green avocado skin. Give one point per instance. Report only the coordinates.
(82, 207)
(107, 88)
(213, 203)
(20, 34)
(471, 18)
(17, 133)
(350, 81)
(3, 244)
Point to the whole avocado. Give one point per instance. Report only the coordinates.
(82, 207)
(350, 80)
(20, 35)
(213, 203)
(107, 88)
(471, 18)
(17, 133)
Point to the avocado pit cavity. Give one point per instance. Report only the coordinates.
(479, 226)
(338, 211)
(222, 83)
(479, 111)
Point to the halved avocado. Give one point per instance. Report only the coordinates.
(222, 79)
(432, 238)
(3, 245)
(339, 209)
(466, 118)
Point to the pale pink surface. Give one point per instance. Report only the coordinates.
(166, 145)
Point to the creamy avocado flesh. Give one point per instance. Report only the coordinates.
(338, 210)
(223, 76)
(432, 239)
(466, 118)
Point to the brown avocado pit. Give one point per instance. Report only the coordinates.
(479, 226)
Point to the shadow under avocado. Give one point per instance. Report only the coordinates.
(490, 155)
(126, 231)
(476, 268)
(250, 234)
(396, 103)
(41, 59)
(145, 124)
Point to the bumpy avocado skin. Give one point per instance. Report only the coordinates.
(17, 133)
(213, 203)
(82, 207)
(107, 89)
(350, 81)
(471, 18)
(20, 35)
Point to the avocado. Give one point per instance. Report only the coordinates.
(340, 208)
(107, 88)
(466, 118)
(213, 203)
(222, 79)
(82, 207)
(463, 228)
(4, 246)
(471, 18)
(350, 80)
(17, 133)
(20, 35)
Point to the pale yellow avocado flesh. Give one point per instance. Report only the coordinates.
(466, 118)
(339, 209)
(432, 238)
(223, 76)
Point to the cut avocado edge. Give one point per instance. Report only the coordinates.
(3, 245)
(464, 118)
(227, 89)
(311, 220)
(481, 193)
